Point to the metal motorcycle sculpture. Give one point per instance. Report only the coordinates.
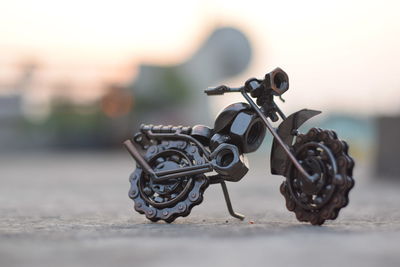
(174, 170)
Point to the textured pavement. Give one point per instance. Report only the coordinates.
(72, 209)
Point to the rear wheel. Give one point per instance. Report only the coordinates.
(172, 198)
(320, 198)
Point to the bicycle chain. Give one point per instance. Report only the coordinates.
(338, 186)
(182, 206)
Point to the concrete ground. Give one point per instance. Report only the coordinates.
(72, 209)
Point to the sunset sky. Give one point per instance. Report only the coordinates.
(340, 55)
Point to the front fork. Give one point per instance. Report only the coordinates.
(287, 131)
(283, 146)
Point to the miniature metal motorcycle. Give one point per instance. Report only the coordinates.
(170, 177)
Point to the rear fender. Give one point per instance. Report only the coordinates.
(286, 130)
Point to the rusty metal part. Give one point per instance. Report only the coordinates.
(316, 200)
(277, 80)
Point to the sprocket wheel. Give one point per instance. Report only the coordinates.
(174, 197)
(316, 200)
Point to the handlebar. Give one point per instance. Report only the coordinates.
(219, 90)
(275, 82)
(222, 89)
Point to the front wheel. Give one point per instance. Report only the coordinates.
(315, 200)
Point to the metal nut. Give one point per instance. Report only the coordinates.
(247, 132)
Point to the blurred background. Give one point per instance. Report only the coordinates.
(77, 78)
(79, 75)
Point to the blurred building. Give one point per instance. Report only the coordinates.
(175, 94)
(10, 120)
(158, 95)
(11, 108)
(388, 154)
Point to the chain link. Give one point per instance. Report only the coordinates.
(332, 192)
(180, 202)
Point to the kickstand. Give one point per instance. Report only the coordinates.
(229, 204)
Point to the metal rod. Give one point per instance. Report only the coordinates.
(180, 173)
(138, 158)
(164, 175)
(235, 90)
(190, 168)
(276, 136)
(229, 204)
(279, 112)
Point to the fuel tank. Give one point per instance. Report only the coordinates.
(227, 115)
